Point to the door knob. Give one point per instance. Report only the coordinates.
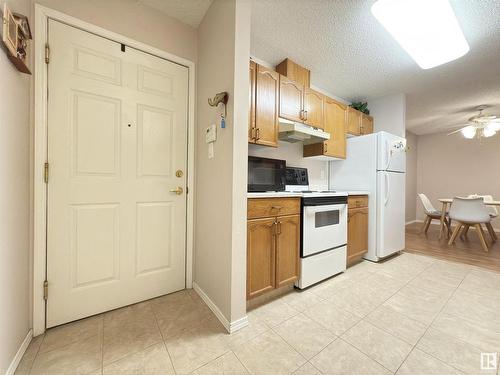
(177, 191)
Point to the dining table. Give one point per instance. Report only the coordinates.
(446, 203)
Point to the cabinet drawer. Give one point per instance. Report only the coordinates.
(357, 201)
(269, 207)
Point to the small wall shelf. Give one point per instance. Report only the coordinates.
(16, 34)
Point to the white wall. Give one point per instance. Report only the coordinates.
(449, 166)
(389, 113)
(14, 203)
(411, 176)
(292, 153)
(220, 231)
(134, 20)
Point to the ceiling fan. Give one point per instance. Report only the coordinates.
(480, 126)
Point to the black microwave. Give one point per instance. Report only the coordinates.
(266, 174)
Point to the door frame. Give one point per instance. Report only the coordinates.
(42, 16)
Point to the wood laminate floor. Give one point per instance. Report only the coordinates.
(467, 251)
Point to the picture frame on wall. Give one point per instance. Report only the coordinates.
(10, 30)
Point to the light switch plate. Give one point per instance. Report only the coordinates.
(211, 134)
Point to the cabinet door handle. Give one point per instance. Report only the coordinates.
(326, 147)
(257, 134)
(252, 134)
(305, 113)
(275, 229)
(279, 227)
(301, 114)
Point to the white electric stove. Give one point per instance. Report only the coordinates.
(324, 229)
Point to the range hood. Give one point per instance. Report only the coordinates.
(293, 132)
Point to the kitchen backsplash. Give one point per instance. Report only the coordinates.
(292, 153)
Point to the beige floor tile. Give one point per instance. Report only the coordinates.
(484, 283)
(399, 325)
(275, 312)
(69, 333)
(307, 369)
(174, 299)
(416, 303)
(333, 318)
(435, 281)
(340, 358)
(301, 300)
(473, 306)
(454, 352)
(386, 349)
(304, 335)
(197, 346)
(269, 354)
(483, 335)
(173, 320)
(81, 357)
(129, 331)
(226, 364)
(151, 361)
(420, 363)
(451, 269)
(24, 366)
(404, 267)
(256, 326)
(327, 288)
(360, 299)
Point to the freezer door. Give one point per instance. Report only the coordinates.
(391, 153)
(390, 213)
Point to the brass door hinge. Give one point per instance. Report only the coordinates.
(46, 173)
(45, 290)
(47, 53)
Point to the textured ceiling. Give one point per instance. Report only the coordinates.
(352, 56)
(187, 11)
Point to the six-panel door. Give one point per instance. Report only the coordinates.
(117, 134)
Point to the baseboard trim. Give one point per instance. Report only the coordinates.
(230, 327)
(411, 222)
(20, 352)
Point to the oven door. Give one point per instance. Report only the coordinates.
(324, 227)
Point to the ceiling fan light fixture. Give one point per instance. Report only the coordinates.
(488, 131)
(494, 126)
(469, 132)
(427, 30)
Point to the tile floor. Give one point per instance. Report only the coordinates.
(409, 315)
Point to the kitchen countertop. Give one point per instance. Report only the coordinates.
(285, 194)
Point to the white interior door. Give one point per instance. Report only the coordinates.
(390, 213)
(117, 134)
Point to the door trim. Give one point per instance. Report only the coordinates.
(42, 16)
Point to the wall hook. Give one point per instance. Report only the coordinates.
(221, 97)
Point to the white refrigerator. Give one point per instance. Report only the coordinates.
(377, 163)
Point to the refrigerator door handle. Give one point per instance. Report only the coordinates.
(387, 188)
(388, 154)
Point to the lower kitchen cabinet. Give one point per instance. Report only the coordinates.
(357, 228)
(261, 262)
(273, 244)
(287, 250)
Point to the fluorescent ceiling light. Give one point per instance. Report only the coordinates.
(469, 132)
(427, 29)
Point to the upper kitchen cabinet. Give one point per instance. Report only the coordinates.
(313, 108)
(353, 121)
(264, 96)
(295, 72)
(291, 99)
(335, 123)
(366, 124)
(358, 123)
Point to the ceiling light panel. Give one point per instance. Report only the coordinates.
(427, 29)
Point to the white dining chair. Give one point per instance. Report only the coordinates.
(431, 213)
(469, 212)
(492, 210)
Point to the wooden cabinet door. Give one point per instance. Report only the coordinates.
(313, 108)
(266, 106)
(335, 124)
(366, 124)
(291, 99)
(251, 115)
(357, 233)
(287, 250)
(261, 248)
(353, 121)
